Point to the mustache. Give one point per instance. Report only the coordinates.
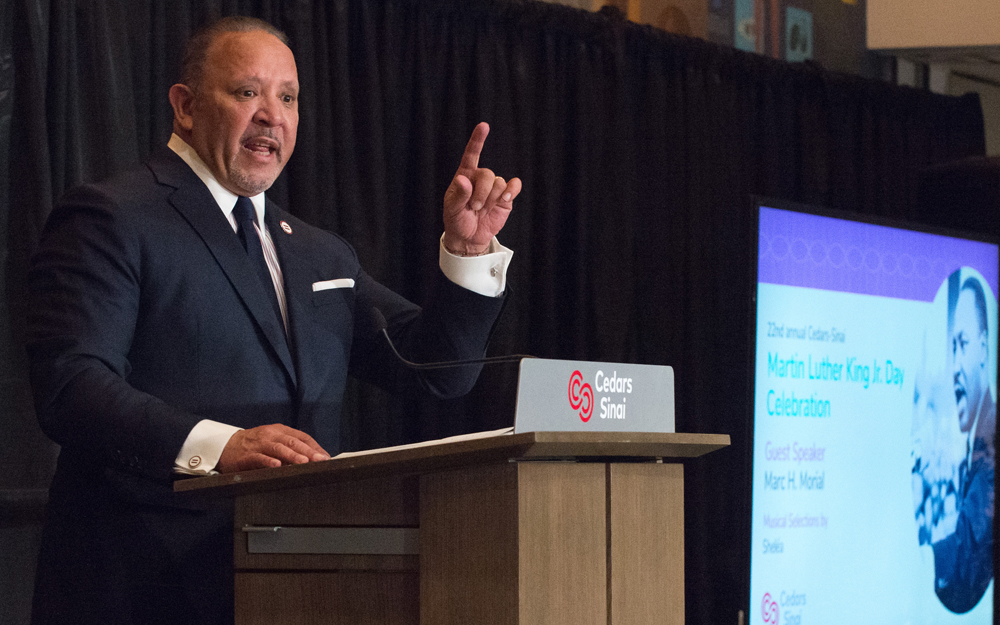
(266, 134)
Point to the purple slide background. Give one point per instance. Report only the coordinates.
(798, 249)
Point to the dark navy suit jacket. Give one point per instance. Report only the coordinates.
(146, 317)
(963, 562)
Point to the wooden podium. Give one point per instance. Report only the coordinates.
(540, 528)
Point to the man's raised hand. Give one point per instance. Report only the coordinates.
(477, 202)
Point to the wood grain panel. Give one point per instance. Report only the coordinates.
(646, 511)
(327, 599)
(468, 546)
(563, 543)
(384, 502)
(391, 502)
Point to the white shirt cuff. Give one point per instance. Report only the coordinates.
(203, 447)
(486, 274)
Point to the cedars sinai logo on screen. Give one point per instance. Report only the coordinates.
(769, 609)
(612, 393)
(789, 604)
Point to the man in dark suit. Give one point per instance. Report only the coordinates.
(963, 559)
(181, 322)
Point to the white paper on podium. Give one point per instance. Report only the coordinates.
(440, 441)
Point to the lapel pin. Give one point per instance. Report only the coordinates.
(286, 227)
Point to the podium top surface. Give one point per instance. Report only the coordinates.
(445, 455)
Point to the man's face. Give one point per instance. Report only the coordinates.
(968, 345)
(245, 112)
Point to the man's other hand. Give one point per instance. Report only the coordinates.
(269, 446)
(477, 202)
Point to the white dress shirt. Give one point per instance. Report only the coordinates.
(485, 275)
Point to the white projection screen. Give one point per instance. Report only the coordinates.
(874, 420)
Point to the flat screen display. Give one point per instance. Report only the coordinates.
(874, 418)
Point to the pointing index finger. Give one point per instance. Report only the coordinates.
(470, 158)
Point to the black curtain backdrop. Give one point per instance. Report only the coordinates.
(639, 152)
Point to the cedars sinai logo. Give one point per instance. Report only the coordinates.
(769, 609)
(612, 392)
(581, 396)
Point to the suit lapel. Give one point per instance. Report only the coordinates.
(312, 346)
(297, 272)
(196, 204)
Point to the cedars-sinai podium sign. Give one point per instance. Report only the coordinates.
(577, 396)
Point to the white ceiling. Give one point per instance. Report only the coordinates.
(982, 62)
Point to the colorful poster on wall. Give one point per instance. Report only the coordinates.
(829, 32)
(744, 35)
(798, 35)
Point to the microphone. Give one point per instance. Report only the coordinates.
(381, 325)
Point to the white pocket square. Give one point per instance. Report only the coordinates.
(340, 283)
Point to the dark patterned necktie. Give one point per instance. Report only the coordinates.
(246, 217)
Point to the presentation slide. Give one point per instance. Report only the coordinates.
(874, 422)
